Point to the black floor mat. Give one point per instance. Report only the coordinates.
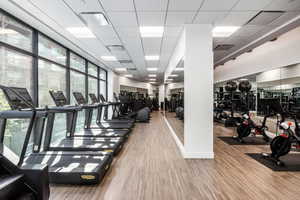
(291, 162)
(247, 141)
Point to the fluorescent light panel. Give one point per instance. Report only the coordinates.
(101, 19)
(173, 75)
(179, 69)
(121, 69)
(151, 31)
(81, 32)
(128, 75)
(152, 75)
(152, 79)
(224, 31)
(109, 58)
(152, 57)
(152, 82)
(152, 69)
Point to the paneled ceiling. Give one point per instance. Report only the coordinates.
(126, 16)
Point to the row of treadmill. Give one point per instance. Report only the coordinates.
(80, 157)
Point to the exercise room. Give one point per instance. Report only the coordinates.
(149, 99)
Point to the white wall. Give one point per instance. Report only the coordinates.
(271, 55)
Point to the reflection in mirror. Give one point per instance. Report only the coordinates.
(174, 100)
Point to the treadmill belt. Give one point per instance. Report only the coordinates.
(72, 168)
(106, 125)
(102, 133)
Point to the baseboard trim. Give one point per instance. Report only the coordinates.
(199, 155)
(177, 141)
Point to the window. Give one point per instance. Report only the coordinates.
(93, 86)
(51, 77)
(52, 51)
(102, 74)
(78, 85)
(77, 62)
(103, 88)
(15, 33)
(92, 70)
(15, 70)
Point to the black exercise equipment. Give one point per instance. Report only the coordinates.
(64, 167)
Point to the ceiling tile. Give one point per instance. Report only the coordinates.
(151, 5)
(152, 45)
(80, 6)
(246, 5)
(214, 5)
(184, 5)
(117, 5)
(236, 18)
(172, 31)
(209, 17)
(284, 5)
(179, 18)
(284, 18)
(152, 63)
(128, 32)
(123, 18)
(151, 18)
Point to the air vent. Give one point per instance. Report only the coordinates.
(131, 69)
(114, 48)
(265, 17)
(223, 47)
(125, 61)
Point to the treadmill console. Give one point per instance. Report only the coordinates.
(93, 98)
(102, 98)
(58, 97)
(14, 101)
(79, 98)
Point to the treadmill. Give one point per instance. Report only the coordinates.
(105, 105)
(102, 125)
(61, 101)
(63, 167)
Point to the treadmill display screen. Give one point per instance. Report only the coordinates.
(93, 98)
(15, 101)
(58, 97)
(102, 98)
(79, 98)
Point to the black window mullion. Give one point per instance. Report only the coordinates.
(68, 79)
(98, 82)
(35, 68)
(106, 95)
(86, 80)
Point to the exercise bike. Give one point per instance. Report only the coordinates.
(283, 143)
(248, 126)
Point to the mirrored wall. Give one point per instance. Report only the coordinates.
(174, 100)
(277, 85)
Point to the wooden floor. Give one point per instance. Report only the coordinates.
(176, 124)
(151, 168)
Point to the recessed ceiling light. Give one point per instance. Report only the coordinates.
(152, 69)
(109, 58)
(81, 32)
(152, 82)
(152, 75)
(151, 31)
(128, 75)
(152, 79)
(224, 31)
(7, 31)
(179, 69)
(152, 57)
(121, 69)
(173, 75)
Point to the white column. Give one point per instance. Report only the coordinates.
(198, 91)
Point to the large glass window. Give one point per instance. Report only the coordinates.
(102, 74)
(52, 50)
(103, 88)
(15, 70)
(77, 62)
(15, 33)
(78, 85)
(51, 77)
(93, 69)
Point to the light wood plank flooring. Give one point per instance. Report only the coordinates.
(151, 168)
